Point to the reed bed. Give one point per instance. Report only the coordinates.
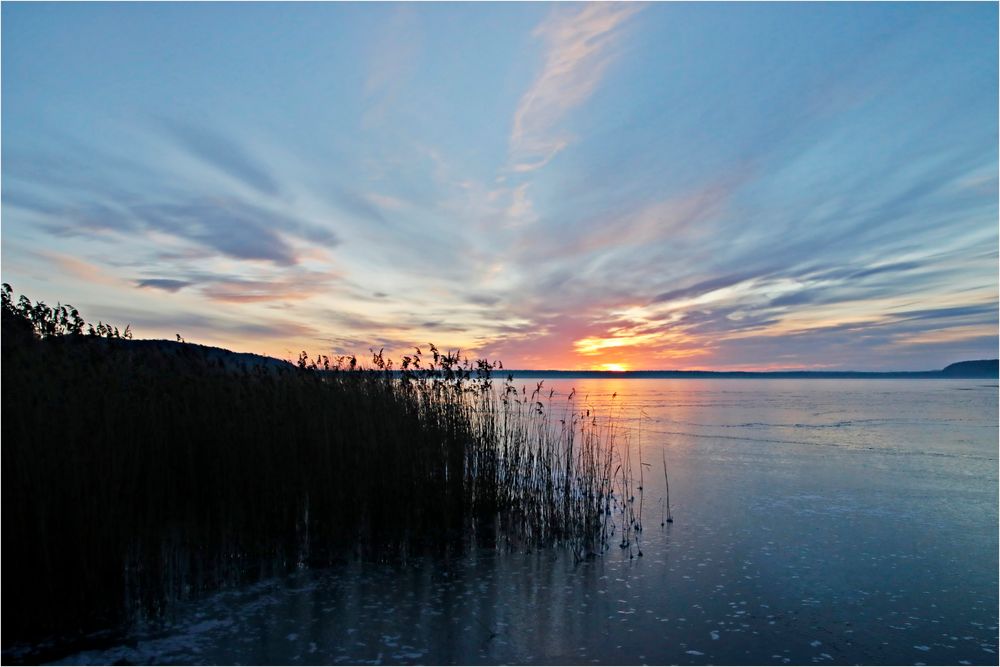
(136, 475)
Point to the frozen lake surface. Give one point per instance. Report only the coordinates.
(816, 521)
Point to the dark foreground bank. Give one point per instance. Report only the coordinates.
(137, 474)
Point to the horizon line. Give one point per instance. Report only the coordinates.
(633, 372)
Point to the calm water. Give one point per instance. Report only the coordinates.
(816, 521)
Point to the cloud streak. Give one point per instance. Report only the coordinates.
(227, 156)
(222, 225)
(165, 284)
(578, 49)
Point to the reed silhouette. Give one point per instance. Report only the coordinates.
(138, 473)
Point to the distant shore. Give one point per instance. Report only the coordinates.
(972, 370)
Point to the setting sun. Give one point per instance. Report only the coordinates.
(618, 368)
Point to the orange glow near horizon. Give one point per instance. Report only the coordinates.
(578, 346)
(594, 345)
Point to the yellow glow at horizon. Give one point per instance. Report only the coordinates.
(617, 368)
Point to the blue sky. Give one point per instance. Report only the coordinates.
(790, 185)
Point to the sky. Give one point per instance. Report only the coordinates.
(558, 186)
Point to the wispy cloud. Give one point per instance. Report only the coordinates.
(78, 269)
(224, 225)
(252, 284)
(223, 154)
(395, 51)
(579, 47)
(165, 284)
(294, 286)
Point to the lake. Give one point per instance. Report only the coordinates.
(815, 521)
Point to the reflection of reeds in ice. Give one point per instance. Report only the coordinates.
(626, 495)
(136, 473)
(666, 485)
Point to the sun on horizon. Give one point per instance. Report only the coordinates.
(617, 368)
